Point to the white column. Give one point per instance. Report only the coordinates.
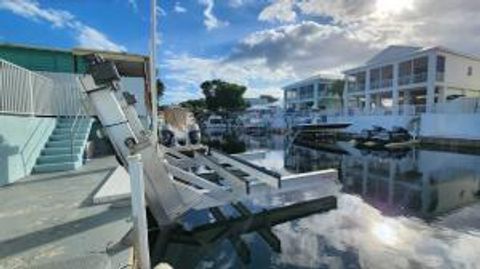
(367, 92)
(345, 96)
(431, 78)
(140, 229)
(395, 92)
(316, 94)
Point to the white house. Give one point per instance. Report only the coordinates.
(402, 78)
(313, 93)
(437, 89)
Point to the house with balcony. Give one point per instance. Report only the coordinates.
(437, 85)
(403, 79)
(311, 94)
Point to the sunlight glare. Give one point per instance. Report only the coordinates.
(393, 6)
(385, 233)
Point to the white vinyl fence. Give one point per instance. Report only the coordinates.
(23, 92)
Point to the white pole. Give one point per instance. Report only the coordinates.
(153, 84)
(140, 229)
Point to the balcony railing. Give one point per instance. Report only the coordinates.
(440, 76)
(410, 79)
(381, 84)
(356, 87)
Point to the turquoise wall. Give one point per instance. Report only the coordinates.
(21, 141)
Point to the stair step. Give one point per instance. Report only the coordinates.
(65, 143)
(67, 131)
(60, 151)
(70, 125)
(60, 137)
(65, 166)
(72, 119)
(52, 159)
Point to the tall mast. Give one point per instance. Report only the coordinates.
(153, 84)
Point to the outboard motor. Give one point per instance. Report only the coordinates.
(194, 134)
(167, 138)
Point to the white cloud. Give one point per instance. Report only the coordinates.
(160, 11)
(189, 72)
(351, 32)
(85, 35)
(239, 3)
(91, 38)
(210, 21)
(280, 10)
(385, 22)
(134, 5)
(179, 8)
(31, 9)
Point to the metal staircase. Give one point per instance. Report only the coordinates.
(65, 147)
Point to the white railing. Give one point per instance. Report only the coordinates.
(68, 94)
(458, 106)
(22, 91)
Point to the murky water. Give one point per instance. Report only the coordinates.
(417, 208)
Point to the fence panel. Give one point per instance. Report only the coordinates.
(23, 92)
(18, 87)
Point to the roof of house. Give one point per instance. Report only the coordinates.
(311, 79)
(392, 53)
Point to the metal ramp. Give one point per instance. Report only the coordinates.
(174, 181)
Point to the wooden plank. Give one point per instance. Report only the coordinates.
(263, 176)
(238, 183)
(265, 233)
(239, 245)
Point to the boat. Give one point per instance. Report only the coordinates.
(379, 137)
(178, 127)
(368, 134)
(215, 122)
(260, 119)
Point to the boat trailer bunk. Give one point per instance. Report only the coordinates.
(175, 182)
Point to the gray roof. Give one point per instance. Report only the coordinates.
(391, 53)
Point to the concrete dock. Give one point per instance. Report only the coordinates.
(50, 221)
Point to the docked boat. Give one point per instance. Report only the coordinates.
(261, 119)
(379, 137)
(178, 127)
(215, 122)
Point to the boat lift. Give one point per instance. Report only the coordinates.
(174, 183)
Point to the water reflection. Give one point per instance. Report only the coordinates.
(406, 209)
(420, 182)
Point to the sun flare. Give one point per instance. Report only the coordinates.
(385, 233)
(393, 6)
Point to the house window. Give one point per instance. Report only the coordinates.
(469, 71)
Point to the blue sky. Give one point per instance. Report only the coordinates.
(262, 44)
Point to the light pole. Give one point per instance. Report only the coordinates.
(153, 84)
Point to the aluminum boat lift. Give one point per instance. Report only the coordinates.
(174, 183)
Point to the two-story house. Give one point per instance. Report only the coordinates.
(403, 79)
(314, 93)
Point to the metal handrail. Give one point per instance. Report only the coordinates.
(23, 91)
(82, 112)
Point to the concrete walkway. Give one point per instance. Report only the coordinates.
(49, 221)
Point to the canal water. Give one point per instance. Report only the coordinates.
(416, 208)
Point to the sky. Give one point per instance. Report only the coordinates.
(262, 44)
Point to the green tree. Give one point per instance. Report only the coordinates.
(223, 96)
(269, 98)
(160, 88)
(196, 106)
